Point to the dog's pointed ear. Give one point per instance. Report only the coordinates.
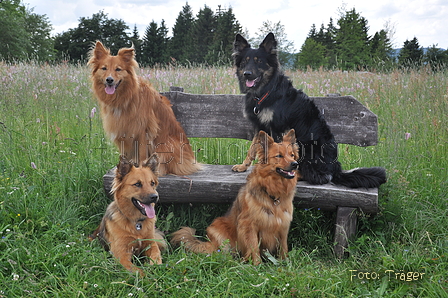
(265, 138)
(153, 163)
(269, 44)
(123, 168)
(100, 50)
(289, 137)
(127, 54)
(240, 44)
(265, 142)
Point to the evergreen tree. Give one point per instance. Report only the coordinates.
(226, 28)
(437, 58)
(312, 54)
(411, 54)
(137, 43)
(164, 43)
(313, 32)
(323, 40)
(381, 50)
(149, 46)
(154, 45)
(202, 34)
(181, 44)
(330, 44)
(321, 36)
(352, 41)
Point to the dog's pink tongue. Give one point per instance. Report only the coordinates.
(250, 83)
(110, 89)
(150, 211)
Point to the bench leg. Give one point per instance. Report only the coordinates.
(345, 228)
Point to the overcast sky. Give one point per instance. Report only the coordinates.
(425, 19)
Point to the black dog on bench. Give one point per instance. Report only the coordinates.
(275, 106)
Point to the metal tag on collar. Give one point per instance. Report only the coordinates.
(138, 226)
(256, 111)
(276, 200)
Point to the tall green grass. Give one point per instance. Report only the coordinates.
(53, 154)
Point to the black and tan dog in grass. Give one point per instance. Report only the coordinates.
(128, 226)
(260, 216)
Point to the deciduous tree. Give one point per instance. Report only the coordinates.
(24, 34)
(75, 43)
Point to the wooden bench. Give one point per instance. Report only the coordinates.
(221, 116)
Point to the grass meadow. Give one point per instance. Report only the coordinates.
(53, 154)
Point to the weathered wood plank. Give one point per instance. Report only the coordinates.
(211, 116)
(218, 184)
(345, 229)
(221, 116)
(349, 120)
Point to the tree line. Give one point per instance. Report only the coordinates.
(349, 46)
(207, 39)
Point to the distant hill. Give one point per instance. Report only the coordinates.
(396, 52)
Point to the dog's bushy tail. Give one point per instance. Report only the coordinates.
(187, 237)
(361, 177)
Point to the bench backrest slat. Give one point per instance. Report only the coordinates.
(221, 116)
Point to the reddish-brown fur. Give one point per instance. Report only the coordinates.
(136, 117)
(124, 229)
(260, 216)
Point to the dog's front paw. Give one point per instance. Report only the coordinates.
(240, 168)
(155, 260)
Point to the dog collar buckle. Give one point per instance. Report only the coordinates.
(259, 101)
(276, 200)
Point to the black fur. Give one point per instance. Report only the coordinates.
(275, 106)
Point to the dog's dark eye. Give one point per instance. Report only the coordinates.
(279, 156)
(153, 183)
(118, 69)
(104, 68)
(138, 184)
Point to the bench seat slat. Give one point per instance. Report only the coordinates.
(218, 184)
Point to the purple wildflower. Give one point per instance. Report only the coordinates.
(92, 112)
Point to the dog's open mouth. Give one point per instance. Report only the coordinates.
(286, 174)
(110, 89)
(147, 210)
(252, 83)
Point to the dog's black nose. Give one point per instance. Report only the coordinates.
(109, 80)
(247, 73)
(153, 197)
(294, 164)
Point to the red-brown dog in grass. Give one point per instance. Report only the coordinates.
(260, 216)
(128, 226)
(137, 118)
